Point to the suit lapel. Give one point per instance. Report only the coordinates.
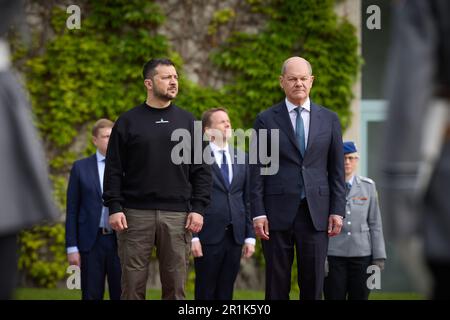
(216, 170)
(93, 168)
(219, 175)
(314, 125)
(285, 124)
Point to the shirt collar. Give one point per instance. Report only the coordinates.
(291, 106)
(216, 148)
(351, 180)
(100, 157)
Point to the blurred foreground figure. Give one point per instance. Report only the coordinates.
(417, 160)
(25, 195)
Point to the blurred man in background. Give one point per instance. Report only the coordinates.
(25, 192)
(91, 243)
(416, 162)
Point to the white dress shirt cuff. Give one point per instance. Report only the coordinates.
(258, 217)
(250, 241)
(195, 239)
(72, 250)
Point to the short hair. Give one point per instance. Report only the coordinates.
(149, 69)
(206, 116)
(100, 124)
(283, 67)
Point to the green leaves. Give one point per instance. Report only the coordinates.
(42, 255)
(220, 17)
(307, 28)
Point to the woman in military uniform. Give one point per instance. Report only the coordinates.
(361, 242)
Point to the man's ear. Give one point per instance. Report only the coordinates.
(281, 82)
(148, 83)
(94, 140)
(208, 132)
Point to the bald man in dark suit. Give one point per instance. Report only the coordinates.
(303, 203)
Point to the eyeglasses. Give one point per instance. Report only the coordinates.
(351, 158)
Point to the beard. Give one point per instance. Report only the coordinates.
(166, 96)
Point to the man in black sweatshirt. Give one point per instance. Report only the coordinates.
(152, 200)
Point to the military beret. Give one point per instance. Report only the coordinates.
(349, 147)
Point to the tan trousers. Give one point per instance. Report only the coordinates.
(164, 230)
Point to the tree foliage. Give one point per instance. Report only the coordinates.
(309, 29)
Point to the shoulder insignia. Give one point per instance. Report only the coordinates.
(368, 180)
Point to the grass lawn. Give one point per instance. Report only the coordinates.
(153, 294)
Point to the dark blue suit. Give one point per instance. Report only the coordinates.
(291, 221)
(98, 252)
(226, 225)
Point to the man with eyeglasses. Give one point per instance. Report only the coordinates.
(361, 242)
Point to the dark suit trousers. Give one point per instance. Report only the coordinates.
(311, 249)
(347, 278)
(8, 265)
(216, 271)
(98, 264)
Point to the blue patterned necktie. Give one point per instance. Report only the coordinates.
(300, 131)
(224, 168)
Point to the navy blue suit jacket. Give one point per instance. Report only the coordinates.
(224, 200)
(278, 196)
(84, 204)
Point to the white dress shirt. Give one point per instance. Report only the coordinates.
(305, 113)
(350, 181)
(218, 156)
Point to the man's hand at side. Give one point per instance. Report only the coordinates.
(334, 225)
(196, 249)
(118, 221)
(74, 259)
(261, 226)
(194, 222)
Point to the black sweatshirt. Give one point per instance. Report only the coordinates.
(139, 171)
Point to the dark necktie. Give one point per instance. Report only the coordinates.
(348, 186)
(300, 131)
(105, 210)
(224, 169)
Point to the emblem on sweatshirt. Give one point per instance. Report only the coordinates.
(162, 121)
